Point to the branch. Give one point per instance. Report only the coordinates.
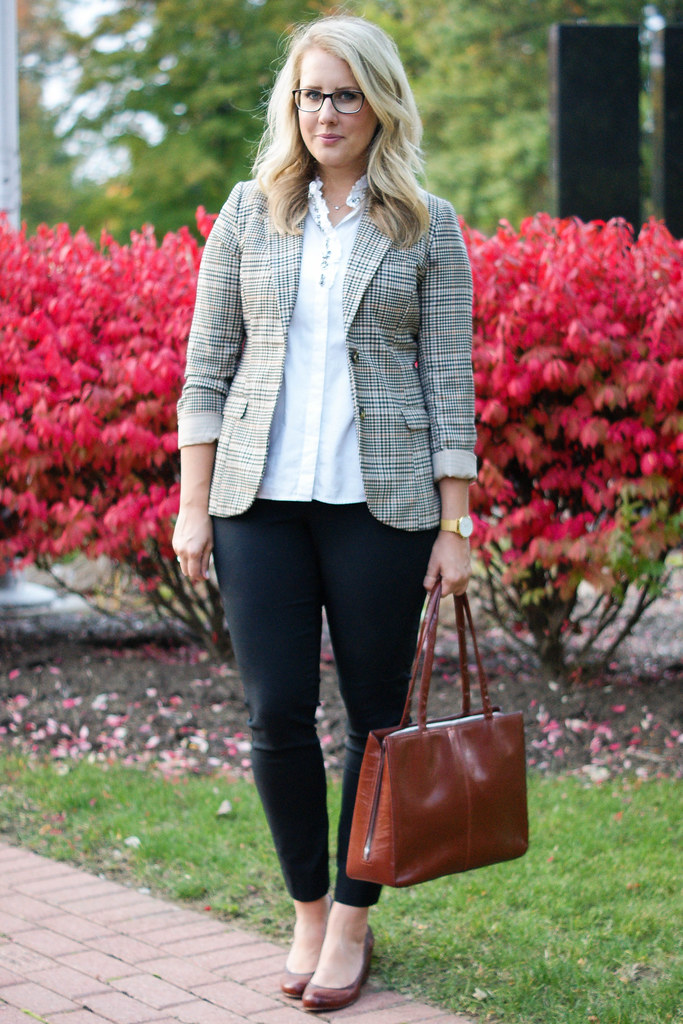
(644, 602)
(495, 611)
(591, 611)
(92, 601)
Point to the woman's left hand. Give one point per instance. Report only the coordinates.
(450, 559)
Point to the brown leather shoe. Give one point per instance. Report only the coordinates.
(318, 999)
(292, 984)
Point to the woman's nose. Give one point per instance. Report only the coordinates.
(328, 111)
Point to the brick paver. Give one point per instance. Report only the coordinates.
(78, 949)
(49, 942)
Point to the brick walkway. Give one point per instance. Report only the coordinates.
(78, 949)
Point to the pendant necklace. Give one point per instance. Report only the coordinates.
(332, 204)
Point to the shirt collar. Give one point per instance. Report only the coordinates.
(319, 206)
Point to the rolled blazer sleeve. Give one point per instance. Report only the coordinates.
(217, 331)
(445, 346)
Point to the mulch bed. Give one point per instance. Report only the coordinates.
(126, 689)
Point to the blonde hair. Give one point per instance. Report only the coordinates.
(284, 167)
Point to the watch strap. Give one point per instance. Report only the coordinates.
(453, 525)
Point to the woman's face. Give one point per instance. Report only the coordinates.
(337, 142)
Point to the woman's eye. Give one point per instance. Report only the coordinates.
(311, 94)
(347, 95)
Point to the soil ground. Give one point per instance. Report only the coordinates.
(85, 685)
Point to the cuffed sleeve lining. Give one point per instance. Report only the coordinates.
(462, 464)
(199, 428)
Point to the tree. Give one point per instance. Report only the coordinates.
(181, 85)
(49, 193)
(178, 89)
(480, 75)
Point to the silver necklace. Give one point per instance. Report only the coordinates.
(332, 204)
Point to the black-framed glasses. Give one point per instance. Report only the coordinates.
(344, 101)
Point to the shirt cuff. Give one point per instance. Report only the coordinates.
(199, 428)
(454, 462)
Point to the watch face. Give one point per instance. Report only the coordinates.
(466, 526)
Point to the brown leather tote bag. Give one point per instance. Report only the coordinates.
(436, 798)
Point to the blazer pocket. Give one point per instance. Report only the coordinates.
(417, 422)
(416, 417)
(234, 410)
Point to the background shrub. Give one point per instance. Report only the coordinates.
(93, 340)
(578, 354)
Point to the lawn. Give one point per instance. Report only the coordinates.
(585, 929)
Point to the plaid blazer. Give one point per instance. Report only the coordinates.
(408, 322)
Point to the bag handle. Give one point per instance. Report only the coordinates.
(425, 644)
(425, 655)
(462, 610)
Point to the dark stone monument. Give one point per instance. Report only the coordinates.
(667, 96)
(595, 86)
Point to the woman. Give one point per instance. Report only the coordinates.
(326, 433)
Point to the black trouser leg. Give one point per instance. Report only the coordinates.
(271, 593)
(277, 565)
(372, 589)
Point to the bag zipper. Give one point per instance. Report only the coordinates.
(375, 805)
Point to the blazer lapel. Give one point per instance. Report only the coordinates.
(285, 258)
(368, 252)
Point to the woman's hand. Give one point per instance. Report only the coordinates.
(450, 559)
(193, 534)
(193, 543)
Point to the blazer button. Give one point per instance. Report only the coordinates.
(354, 355)
(361, 414)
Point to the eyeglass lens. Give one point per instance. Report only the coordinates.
(345, 101)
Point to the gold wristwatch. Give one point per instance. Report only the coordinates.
(463, 526)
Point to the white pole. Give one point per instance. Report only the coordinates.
(10, 180)
(10, 189)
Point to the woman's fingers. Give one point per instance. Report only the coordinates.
(450, 560)
(197, 566)
(193, 544)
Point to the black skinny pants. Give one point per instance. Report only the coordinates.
(278, 565)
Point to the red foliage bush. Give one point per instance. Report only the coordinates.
(93, 341)
(578, 354)
(578, 359)
(91, 366)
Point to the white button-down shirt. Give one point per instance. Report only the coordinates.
(313, 449)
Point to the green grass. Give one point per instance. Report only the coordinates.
(585, 929)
